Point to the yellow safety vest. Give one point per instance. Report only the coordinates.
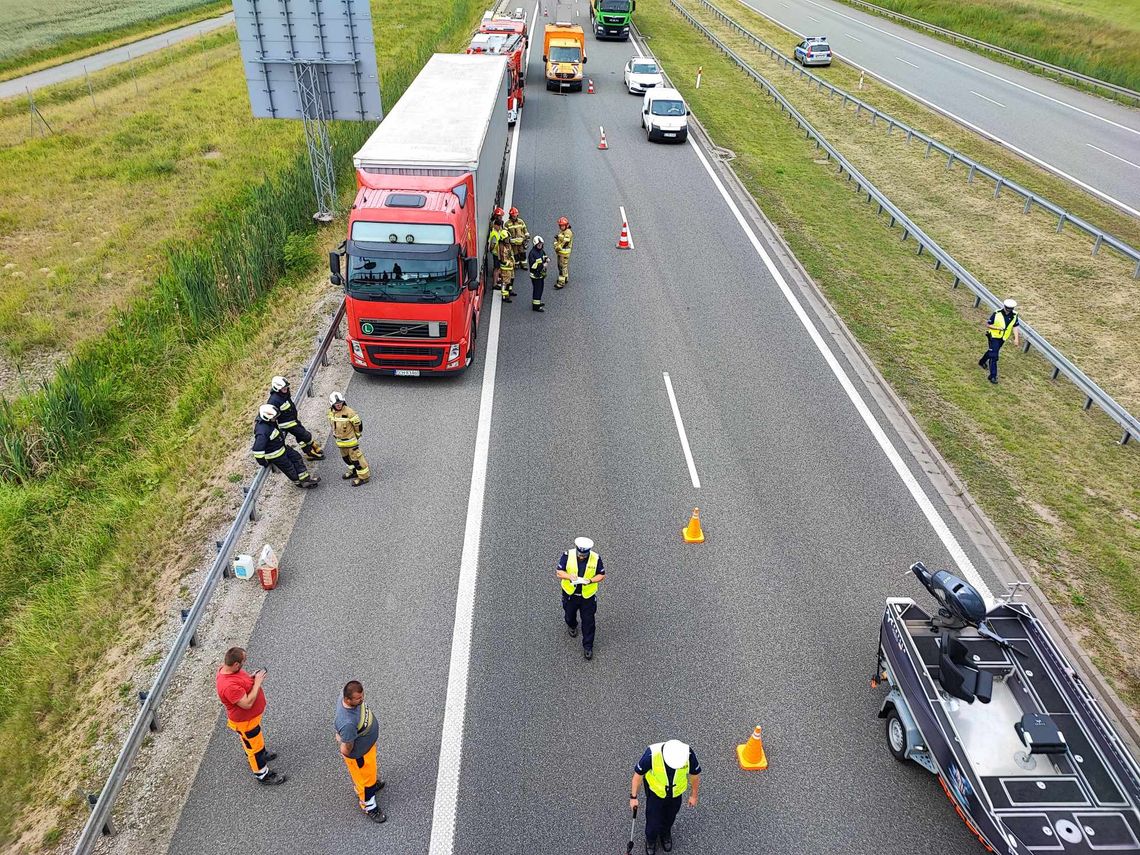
(572, 568)
(658, 776)
(999, 328)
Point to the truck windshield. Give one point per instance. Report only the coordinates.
(565, 54)
(403, 280)
(661, 107)
(615, 5)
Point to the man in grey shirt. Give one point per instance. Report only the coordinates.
(356, 732)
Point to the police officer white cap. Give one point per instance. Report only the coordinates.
(583, 544)
(675, 753)
(1010, 304)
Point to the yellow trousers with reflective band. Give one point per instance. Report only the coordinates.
(563, 269)
(253, 743)
(507, 276)
(365, 778)
(354, 459)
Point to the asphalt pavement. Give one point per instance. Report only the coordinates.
(772, 621)
(104, 59)
(1089, 140)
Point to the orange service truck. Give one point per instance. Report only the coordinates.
(564, 55)
(415, 263)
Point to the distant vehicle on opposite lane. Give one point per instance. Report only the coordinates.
(641, 74)
(813, 50)
(664, 115)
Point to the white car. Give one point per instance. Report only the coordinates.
(641, 74)
(664, 115)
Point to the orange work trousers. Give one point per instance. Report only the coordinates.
(365, 778)
(253, 742)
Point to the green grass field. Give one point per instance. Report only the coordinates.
(1049, 474)
(1100, 38)
(178, 268)
(36, 33)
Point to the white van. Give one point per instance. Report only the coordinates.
(664, 115)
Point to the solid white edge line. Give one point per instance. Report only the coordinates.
(961, 559)
(455, 707)
(963, 122)
(985, 98)
(681, 432)
(625, 222)
(1110, 154)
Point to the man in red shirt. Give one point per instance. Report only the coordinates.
(241, 695)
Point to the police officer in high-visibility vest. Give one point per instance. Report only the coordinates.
(288, 419)
(536, 264)
(580, 571)
(563, 244)
(667, 768)
(269, 449)
(999, 327)
(516, 227)
(347, 430)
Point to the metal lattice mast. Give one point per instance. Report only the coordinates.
(317, 139)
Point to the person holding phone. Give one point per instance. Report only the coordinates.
(581, 571)
(240, 693)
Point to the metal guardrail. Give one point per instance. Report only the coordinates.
(100, 823)
(1059, 70)
(952, 156)
(1061, 365)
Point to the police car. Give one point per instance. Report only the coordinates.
(813, 50)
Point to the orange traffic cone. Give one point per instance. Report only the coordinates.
(623, 238)
(590, 88)
(751, 753)
(692, 532)
(602, 144)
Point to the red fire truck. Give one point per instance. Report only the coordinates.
(505, 37)
(416, 262)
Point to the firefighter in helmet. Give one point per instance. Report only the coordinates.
(347, 429)
(269, 449)
(563, 244)
(520, 235)
(506, 257)
(288, 420)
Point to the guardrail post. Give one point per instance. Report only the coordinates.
(1028, 205)
(1096, 243)
(997, 187)
(919, 248)
(955, 285)
(929, 145)
(152, 723)
(906, 233)
(950, 160)
(970, 176)
(1056, 373)
(938, 264)
(1127, 436)
(194, 634)
(977, 301)
(1136, 271)
(92, 799)
(909, 134)
(1088, 403)
(1025, 347)
(1061, 223)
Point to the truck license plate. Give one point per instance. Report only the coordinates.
(407, 372)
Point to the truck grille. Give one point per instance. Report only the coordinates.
(403, 329)
(405, 357)
(606, 20)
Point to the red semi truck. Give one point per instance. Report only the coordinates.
(416, 262)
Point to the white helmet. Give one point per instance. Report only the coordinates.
(1010, 304)
(675, 753)
(267, 412)
(279, 383)
(336, 398)
(537, 239)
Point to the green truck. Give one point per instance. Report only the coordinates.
(611, 19)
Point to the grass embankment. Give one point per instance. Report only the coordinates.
(109, 475)
(1047, 473)
(39, 36)
(1094, 37)
(1082, 304)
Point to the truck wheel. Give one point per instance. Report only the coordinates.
(896, 735)
(470, 345)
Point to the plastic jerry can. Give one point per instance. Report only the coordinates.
(267, 568)
(243, 566)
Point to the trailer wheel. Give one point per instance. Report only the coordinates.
(896, 735)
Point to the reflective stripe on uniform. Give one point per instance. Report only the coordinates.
(572, 568)
(657, 778)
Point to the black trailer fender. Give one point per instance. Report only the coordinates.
(915, 748)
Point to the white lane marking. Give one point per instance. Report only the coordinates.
(965, 565)
(455, 708)
(625, 223)
(974, 68)
(908, 62)
(853, 38)
(681, 432)
(814, 18)
(984, 98)
(1110, 154)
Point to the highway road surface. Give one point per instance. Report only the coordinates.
(809, 502)
(1091, 141)
(104, 59)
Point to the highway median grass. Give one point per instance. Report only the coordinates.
(1048, 473)
(112, 471)
(1098, 38)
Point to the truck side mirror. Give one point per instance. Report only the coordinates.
(585, 59)
(544, 58)
(471, 273)
(633, 5)
(334, 269)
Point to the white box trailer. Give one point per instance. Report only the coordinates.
(452, 120)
